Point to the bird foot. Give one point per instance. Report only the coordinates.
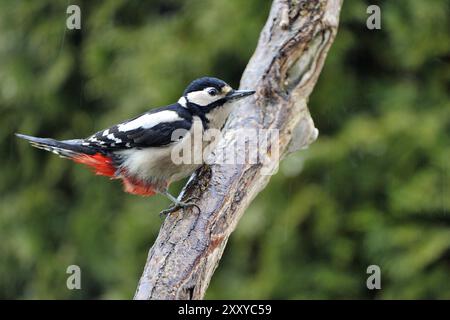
(180, 205)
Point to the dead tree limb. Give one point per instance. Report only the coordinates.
(284, 69)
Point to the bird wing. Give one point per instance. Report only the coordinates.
(156, 128)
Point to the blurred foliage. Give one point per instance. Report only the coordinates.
(373, 189)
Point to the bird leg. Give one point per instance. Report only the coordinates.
(178, 204)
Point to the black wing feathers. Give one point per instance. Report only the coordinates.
(159, 135)
(156, 136)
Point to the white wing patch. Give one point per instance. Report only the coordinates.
(111, 137)
(149, 120)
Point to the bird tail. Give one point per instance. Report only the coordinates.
(65, 148)
(76, 151)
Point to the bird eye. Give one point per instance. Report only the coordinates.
(213, 92)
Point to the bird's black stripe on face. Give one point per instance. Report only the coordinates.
(199, 111)
(209, 107)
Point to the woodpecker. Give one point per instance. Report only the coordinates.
(138, 151)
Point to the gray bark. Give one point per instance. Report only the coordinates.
(283, 70)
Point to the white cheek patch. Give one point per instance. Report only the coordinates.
(150, 120)
(202, 98)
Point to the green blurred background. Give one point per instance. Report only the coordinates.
(373, 189)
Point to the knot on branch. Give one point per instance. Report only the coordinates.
(300, 48)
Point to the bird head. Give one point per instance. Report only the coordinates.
(208, 93)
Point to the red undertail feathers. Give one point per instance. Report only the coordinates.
(137, 188)
(102, 165)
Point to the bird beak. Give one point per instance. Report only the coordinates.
(238, 94)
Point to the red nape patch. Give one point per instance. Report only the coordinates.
(102, 165)
(137, 187)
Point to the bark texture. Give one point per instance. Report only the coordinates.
(283, 70)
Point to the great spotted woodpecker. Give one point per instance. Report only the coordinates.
(138, 151)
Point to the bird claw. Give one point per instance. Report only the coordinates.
(180, 205)
(166, 212)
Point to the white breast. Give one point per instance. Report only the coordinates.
(219, 115)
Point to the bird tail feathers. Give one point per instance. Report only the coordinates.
(66, 148)
(76, 151)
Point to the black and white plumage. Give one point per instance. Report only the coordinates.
(138, 150)
(151, 129)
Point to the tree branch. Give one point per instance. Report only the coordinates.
(283, 70)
